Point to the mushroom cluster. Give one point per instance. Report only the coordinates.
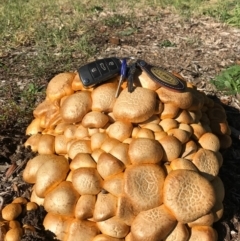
(10, 228)
(142, 166)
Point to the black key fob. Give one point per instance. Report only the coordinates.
(99, 71)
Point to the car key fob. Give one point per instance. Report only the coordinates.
(99, 71)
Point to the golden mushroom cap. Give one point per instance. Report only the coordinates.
(11, 211)
(131, 107)
(76, 106)
(144, 150)
(103, 97)
(188, 195)
(209, 141)
(48, 178)
(62, 199)
(95, 119)
(143, 185)
(153, 224)
(60, 85)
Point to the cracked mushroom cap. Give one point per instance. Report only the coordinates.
(188, 195)
(135, 107)
(207, 163)
(62, 199)
(103, 97)
(154, 224)
(143, 185)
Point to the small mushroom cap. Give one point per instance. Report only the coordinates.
(188, 195)
(61, 143)
(144, 150)
(29, 173)
(14, 224)
(181, 163)
(20, 200)
(81, 132)
(205, 233)
(153, 127)
(47, 178)
(11, 211)
(87, 181)
(76, 106)
(86, 230)
(217, 113)
(145, 227)
(57, 224)
(120, 130)
(225, 141)
(77, 83)
(82, 160)
(170, 111)
(209, 141)
(143, 185)
(184, 117)
(120, 151)
(103, 97)
(109, 165)
(69, 131)
(33, 141)
(198, 131)
(179, 233)
(172, 148)
(135, 107)
(110, 226)
(34, 127)
(79, 146)
(35, 198)
(109, 144)
(182, 100)
(59, 86)
(31, 206)
(189, 149)
(97, 140)
(147, 82)
(207, 163)
(62, 199)
(46, 144)
(105, 207)
(14, 234)
(220, 128)
(114, 184)
(168, 124)
(85, 207)
(145, 133)
(181, 135)
(95, 119)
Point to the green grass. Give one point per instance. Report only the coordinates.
(228, 81)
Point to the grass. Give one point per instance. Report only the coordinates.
(46, 36)
(228, 81)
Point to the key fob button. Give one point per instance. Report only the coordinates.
(94, 70)
(111, 64)
(102, 67)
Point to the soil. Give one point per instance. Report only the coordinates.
(197, 48)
